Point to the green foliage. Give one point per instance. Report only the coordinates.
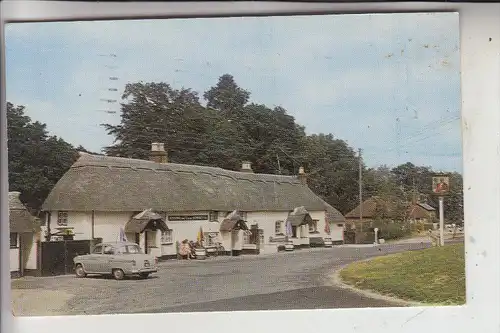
(228, 130)
(155, 112)
(227, 96)
(36, 160)
(392, 230)
(419, 227)
(333, 170)
(432, 276)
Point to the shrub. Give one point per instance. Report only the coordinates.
(428, 226)
(393, 230)
(418, 227)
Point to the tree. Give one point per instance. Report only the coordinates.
(155, 112)
(273, 137)
(239, 131)
(36, 161)
(333, 170)
(82, 149)
(414, 179)
(227, 97)
(392, 203)
(453, 202)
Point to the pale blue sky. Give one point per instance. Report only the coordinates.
(386, 83)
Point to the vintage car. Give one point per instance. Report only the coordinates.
(117, 259)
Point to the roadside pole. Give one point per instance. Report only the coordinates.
(441, 221)
(441, 188)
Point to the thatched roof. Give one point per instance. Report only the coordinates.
(144, 219)
(148, 214)
(333, 215)
(233, 222)
(369, 208)
(20, 219)
(299, 216)
(106, 183)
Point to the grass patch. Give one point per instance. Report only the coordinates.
(432, 276)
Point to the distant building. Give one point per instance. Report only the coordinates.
(100, 195)
(415, 212)
(24, 235)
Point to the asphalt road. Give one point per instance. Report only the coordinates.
(295, 280)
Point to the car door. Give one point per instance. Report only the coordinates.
(105, 264)
(91, 262)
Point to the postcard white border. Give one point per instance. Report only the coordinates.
(480, 59)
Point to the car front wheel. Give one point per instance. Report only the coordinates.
(79, 271)
(118, 274)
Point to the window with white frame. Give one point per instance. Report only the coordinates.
(213, 216)
(167, 236)
(313, 226)
(62, 218)
(13, 240)
(278, 225)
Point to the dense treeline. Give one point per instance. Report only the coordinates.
(221, 129)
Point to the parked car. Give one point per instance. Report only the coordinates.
(118, 259)
(328, 242)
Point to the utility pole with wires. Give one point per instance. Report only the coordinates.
(279, 165)
(360, 180)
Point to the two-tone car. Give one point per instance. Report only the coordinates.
(118, 259)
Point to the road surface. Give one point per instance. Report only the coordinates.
(294, 280)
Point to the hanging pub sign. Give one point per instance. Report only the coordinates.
(440, 185)
(188, 217)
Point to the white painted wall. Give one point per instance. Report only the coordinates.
(14, 258)
(238, 240)
(29, 250)
(226, 240)
(184, 230)
(337, 232)
(107, 226)
(266, 222)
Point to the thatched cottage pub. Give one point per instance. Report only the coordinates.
(24, 234)
(108, 197)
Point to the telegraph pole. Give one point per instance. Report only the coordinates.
(360, 180)
(279, 165)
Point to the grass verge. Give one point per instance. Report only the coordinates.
(433, 276)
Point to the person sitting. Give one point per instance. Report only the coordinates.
(185, 250)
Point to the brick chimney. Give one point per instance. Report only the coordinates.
(246, 166)
(302, 176)
(158, 153)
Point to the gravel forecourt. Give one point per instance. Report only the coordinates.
(295, 280)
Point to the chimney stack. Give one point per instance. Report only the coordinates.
(246, 166)
(302, 176)
(158, 153)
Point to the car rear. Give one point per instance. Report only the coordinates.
(142, 264)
